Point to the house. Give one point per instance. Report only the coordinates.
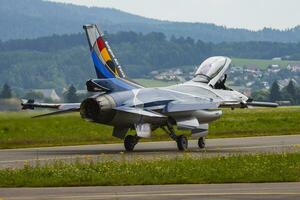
(273, 68)
(277, 58)
(48, 93)
(294, 68)
(173, 74)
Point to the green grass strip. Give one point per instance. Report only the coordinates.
(186, 170)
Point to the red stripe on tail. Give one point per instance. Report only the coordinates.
(100, 43)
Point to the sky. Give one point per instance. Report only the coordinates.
(250, 14)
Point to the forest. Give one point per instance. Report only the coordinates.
(58, 61)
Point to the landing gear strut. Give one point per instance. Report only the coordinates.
(181, 140)
(130, 141)
(201, 143)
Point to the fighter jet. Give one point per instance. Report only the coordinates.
(124, 104)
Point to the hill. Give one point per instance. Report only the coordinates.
(36, 18)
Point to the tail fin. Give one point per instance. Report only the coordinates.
(106, 65)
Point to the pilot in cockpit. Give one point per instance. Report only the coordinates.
(221, 83)
(212, 72)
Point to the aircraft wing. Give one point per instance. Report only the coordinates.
(139, 111)
(62, 108)
(143, 128)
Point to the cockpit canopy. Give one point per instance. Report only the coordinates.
(212, 69)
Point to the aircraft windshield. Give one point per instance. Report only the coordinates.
(209, 69)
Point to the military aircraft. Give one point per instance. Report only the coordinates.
(124, 104)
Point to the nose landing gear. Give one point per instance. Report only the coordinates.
(201, 142)
(130, 141)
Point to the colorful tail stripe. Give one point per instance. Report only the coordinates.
(100, 49)
(107, 66)
(101, 70)
(105, 55)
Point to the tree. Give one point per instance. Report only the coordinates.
(291, 89)
(6, 92)
(275, 92)
(298, 95)
(261, 95)
(290, 92)
(70, 95)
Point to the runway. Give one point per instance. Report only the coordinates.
(284, 191)
(13, 158)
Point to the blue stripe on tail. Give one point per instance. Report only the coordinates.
(102, 71)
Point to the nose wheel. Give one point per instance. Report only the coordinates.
(201, 143)
(130, 141)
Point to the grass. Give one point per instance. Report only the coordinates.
(18, 129)
(186, 170)
(257, 122)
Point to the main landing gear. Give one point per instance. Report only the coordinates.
(182, 143)
(181, 140)
(130, 141)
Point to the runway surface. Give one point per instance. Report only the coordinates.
(151, 150)
(274, 191)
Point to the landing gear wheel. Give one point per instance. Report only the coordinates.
(129, 142)
(201, 143)
(182, 143)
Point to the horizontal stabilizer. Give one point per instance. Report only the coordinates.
(62, 108)
(27, 104)
(31, 104)
(58, 112)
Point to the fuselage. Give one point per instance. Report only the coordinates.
(100, 108)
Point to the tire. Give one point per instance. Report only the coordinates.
(129, 142)
(201, 143)
(182, 143)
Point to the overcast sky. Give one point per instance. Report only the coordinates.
(250, 14)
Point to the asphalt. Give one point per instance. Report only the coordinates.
(14, 158)
(274, 191)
